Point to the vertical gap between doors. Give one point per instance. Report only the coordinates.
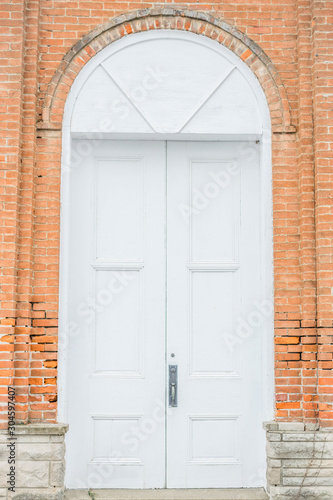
(166, 313)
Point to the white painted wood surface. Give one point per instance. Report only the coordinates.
(117, 304)
(167, 82)
(158, 268)
(215, 435)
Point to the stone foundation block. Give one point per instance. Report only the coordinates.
(57, 472)
(307, 493)
(38, 494)
(299, 462)
(39, 462)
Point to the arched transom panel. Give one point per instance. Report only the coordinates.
(167, 82)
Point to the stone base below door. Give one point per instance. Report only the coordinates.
(39, 451)
(170, 494)
(299, 465)
(299, 462)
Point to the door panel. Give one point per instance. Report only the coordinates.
(213, 219)
(117, 293)
(164, 270)
(213, 281)
(119, 220)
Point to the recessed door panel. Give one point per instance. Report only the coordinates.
(213, 309)
(119, 329)
(119, 184)
(213, 217)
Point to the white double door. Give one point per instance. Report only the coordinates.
(164, 270)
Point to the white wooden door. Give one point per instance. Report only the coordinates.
(214, 436)
(165, 246)
(116, 400)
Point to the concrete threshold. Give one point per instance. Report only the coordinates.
(170, 494)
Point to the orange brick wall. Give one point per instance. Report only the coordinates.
(297, 36)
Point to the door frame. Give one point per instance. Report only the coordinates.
(267, 284)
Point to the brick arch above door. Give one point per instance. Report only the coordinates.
(171, 19)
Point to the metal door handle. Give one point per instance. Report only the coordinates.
(173, 394)
(173, 381)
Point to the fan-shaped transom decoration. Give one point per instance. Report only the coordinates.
(167, 82)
